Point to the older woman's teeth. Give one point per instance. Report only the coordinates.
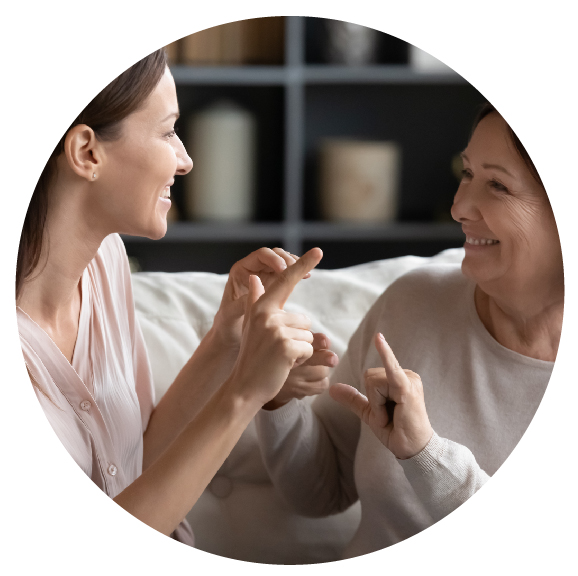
(481, 241)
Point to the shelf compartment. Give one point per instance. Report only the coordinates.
(431, 124)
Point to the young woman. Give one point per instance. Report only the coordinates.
(111, 173)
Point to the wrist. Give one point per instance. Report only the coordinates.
(224, 337)
(419, 447)
(241, 394)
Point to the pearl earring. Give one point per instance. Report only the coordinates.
(93, 176)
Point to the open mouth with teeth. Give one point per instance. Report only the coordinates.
(166, 193)
(481, 241)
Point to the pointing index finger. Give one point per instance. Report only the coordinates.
(284, 284)
(390, 363)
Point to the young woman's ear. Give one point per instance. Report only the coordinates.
(83, 152)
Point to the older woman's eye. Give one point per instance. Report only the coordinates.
(498, 186)
(466, 174)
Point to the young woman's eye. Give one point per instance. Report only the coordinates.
(498, 186)
(172, 132)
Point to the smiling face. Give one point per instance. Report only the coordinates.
(512, 244)
(139, 167)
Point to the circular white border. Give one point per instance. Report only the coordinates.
(57, 55)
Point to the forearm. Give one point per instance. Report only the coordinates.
(168, 489)
(198, 380)
(304, 463)
(443, 475)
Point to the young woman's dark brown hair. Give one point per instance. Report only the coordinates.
(111, 174)
(104, 114)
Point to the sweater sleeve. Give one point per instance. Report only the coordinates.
(309, 447)
(443, 475)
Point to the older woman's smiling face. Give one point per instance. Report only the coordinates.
(512, 244)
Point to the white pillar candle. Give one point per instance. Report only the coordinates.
(222, 144)
(359, 180)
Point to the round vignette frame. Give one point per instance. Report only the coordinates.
(38, 441)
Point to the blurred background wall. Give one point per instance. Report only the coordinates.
(310, 132)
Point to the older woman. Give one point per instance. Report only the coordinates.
(483, 338)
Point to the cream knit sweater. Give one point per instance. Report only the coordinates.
(480, 399)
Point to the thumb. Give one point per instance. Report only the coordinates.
(352, 399)
(256, 290)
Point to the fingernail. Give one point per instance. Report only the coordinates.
(381, 336)
(334, 360)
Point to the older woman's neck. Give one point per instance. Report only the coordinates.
(523, 325)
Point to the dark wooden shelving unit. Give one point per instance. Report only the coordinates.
(296, 105)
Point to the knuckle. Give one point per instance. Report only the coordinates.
(307, 336)
(286, 347)
(278, 333)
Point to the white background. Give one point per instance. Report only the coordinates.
(57, 55)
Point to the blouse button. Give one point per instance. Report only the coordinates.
(221, 486)
(112, 469)
(85, 405)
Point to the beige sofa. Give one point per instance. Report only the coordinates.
(240, 515)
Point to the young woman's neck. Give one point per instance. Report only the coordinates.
(70, 243)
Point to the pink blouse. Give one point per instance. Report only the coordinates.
(99, 406)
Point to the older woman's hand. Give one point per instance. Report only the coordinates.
(394, 408)
(309, 379)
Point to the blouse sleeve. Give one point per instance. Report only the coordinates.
(443, 475)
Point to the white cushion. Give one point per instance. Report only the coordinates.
(240, 515)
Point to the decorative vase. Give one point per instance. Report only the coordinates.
(349, 43)
(359, 180)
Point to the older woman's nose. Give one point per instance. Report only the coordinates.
(464, 207)
(184, 162)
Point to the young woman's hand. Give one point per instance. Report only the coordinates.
(309, 379)
(265, 263)
(273, 341)
(394, 408)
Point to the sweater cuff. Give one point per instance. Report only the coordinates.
(281, 415)
(426, 460)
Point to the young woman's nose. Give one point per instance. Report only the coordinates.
(184, 162)
(465, 206)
